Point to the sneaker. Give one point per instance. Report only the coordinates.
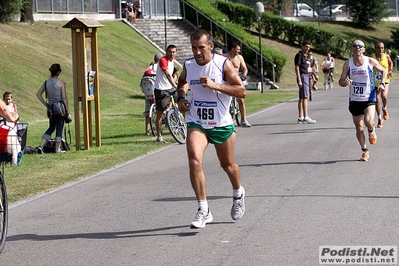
(238, 209)
(365, 156)
(315, 88)
(309, 120)
(385, 114)
(379, 125)
(160, 139)
(300, 120)
(39, 150)
(201, 219)
(245, 124)
(60, 151)
(19, 158)
(372, 137)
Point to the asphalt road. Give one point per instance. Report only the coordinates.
(305, 188)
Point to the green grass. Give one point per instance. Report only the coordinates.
(27, 51)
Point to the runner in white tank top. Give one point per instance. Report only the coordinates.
(212, 80)
(358, 75)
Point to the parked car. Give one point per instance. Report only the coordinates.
(303, 10)
(336, 10)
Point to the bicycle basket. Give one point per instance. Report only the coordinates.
(12, 143)
(326, 69)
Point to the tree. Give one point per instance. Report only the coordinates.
(7, 9)
(365, 13)
(27, 12)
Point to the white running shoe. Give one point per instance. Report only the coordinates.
(309, 120)
(201, 219)
(238, 209)
(245, 124)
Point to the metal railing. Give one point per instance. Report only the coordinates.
(215, 26)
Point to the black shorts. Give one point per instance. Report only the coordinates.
(357, 108)
(162, 98)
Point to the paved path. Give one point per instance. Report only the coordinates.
(305, 188)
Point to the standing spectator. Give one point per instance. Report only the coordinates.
(302, 78)
(56, 91)
(164, 86)
(357, 73)
(386, 62)
(313, 69)
(239, 63)
(154, 64)
(213, 80)
(151, 73)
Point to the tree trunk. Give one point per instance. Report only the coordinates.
(28, 13)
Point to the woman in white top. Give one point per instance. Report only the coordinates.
(329, 63)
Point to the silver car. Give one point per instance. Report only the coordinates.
(336, 10)
(304, 10)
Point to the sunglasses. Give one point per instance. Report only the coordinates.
(358, 45)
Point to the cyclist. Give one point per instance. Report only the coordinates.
(328, 65)
(164, 85)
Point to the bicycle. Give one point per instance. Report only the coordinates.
(176, 122)
(153, 118)
(173, 119)
(328, 83)
(12, 144)
(235, 111)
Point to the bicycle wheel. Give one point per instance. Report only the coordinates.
(153, 116)
(3, 212)
(237, 112)
(238, 117)
(177, 125)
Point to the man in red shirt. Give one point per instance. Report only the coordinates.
(164, 85)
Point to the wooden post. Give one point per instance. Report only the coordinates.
(85, 65)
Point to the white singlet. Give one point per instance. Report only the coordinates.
(362, 87)
(161, 81)
(329, 63)
(208, 108)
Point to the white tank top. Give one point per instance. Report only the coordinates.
(362, 87)
(208, 108)
(161, 81)
(329, 63)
